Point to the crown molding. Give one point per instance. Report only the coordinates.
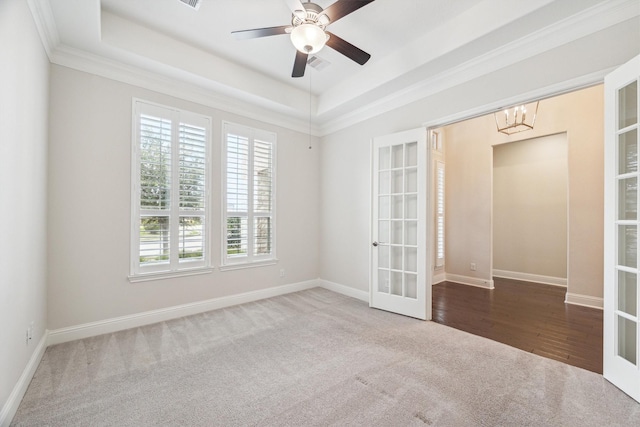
(181, 87)
(182, 84)
(597, 18)
(563, 87)
(45, 24)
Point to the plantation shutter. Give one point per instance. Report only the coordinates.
(440, 214)
(193, 195)
(249, 195)
(170, 192)
(155, 188)
(262, 196)
(237, 195)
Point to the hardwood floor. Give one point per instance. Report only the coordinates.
(529, 316)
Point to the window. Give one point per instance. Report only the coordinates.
(170, 179)
(439, 214)
(249, 194)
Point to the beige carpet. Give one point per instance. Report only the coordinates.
(311, 358)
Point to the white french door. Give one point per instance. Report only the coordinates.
(400, 257)
(621, 296)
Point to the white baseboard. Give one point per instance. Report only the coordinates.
(584, 300)
(471, 281)
(344, 290)
(527, 277)
(107, 326)
(440, 277)
(13, 402)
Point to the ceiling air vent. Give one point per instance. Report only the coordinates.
(318, 63)
(192, 3)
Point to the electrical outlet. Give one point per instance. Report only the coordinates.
(473, 266)
(282, 273)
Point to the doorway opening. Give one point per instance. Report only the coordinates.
(546, 301)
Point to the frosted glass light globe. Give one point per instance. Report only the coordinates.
(308, 38)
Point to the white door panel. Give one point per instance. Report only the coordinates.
(621, 296)
(399, 255)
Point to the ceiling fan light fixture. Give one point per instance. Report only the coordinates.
(308, 38)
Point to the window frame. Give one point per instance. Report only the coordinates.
(175, 266)
(251, 259)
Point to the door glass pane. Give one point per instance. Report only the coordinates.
(411, 180)
(410, 285)
(384, 185)
(396, 257)
(384, 158)
(383, 231)
(628, 152)
(411, 233)
(411, 207)
(397, 182)
(627, 339)
(396, 232)
(383, 207)
(411, 259)
(383, 281)
(397, 207)
(627, 292)
(628, 105)
(397, 156)
(411, 154)
(396, 283)
(627, 245)
(383, 256)
(628, 197)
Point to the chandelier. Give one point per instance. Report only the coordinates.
(517, 119)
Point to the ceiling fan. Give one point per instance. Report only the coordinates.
(308, 31)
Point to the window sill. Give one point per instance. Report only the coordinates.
(243, 265)
(145, 277)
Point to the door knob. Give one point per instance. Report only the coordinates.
(375, 244)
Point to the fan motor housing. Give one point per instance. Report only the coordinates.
(312, 11)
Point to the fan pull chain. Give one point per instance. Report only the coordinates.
(309, 134)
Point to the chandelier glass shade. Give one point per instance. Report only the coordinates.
(308, 38)
(517, 119)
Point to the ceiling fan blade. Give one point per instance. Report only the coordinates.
(347, 49)
(294, 5)
(299, 64)
(342, 8)
(260, 32)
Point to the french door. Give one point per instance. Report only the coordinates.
(621, 296)
(400, 257)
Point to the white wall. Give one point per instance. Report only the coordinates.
(345, 171)
(24, 80)
(530, 206)
(89, 212)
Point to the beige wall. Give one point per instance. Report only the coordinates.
(24, 92)
(469, 187)
(530, 206)
(90, 207)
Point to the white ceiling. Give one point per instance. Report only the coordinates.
(415, 45)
